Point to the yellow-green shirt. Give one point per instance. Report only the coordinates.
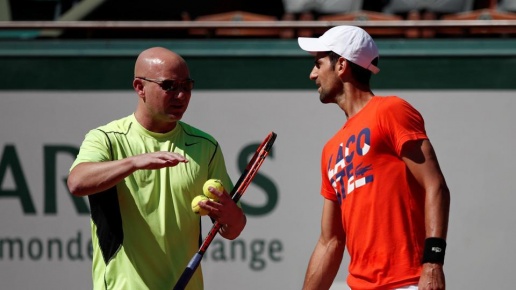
(144, 231)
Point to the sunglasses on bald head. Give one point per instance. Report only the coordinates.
(172, 85)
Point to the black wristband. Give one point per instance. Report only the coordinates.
(434, 250)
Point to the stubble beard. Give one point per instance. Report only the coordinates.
(326, 97)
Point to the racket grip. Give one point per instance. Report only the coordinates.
(188, 272)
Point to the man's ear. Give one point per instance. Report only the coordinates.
(341, 65)
(138, 87)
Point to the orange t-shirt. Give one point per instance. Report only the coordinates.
(382, 205)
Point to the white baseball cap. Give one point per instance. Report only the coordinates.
(351, 42)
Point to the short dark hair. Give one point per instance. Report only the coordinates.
(360, 74)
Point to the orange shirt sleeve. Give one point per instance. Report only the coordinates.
(401, 122)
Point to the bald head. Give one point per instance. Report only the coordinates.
(159, 61)
(159, 108)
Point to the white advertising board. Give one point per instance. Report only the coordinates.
(44, 236)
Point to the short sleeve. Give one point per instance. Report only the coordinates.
(401, 122)
(327, 190)
(94, 148)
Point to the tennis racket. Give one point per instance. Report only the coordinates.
(237, 192)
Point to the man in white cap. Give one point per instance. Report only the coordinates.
(385, 197)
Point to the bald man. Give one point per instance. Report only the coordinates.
(140, 174)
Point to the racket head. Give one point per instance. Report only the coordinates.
(252, 167)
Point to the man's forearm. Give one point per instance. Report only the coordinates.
(437, 207)
(324, 265)
(93, 177)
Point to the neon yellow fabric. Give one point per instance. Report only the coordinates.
(161, 233)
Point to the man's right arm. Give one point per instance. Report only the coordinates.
(327, 255)
(92, 177)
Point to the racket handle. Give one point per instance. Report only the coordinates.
(188, 272)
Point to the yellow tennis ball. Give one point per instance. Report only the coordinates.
(195, 205)
(217, 184)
